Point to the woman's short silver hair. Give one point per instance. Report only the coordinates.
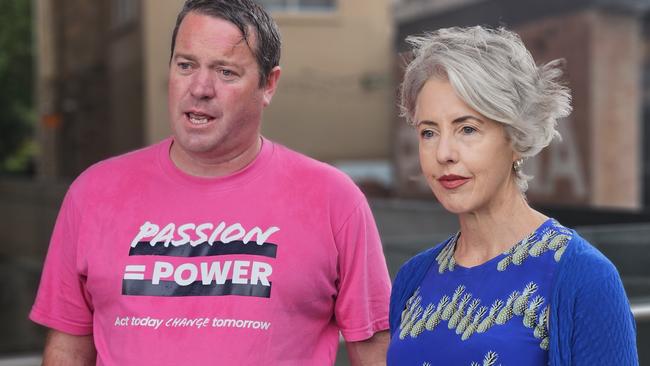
(492, 72)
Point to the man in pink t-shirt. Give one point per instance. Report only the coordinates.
(216, 245)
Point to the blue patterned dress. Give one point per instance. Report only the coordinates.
(492, 314)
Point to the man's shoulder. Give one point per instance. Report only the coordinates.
(139, 162)
(301, 166)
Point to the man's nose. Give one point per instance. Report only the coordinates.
(203, 85)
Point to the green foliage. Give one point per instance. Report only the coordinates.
(16, 86)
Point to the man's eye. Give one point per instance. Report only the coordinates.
(227, 74)
(184, 65)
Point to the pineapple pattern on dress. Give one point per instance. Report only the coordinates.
(490, 359)
(488, 322)
(434, 319)
(506, 312)
(464, 322)
(541, 328)
(462, 309)
(445, 258)
(451, 307)
(417, 320)
(455, 318)
(554, 238)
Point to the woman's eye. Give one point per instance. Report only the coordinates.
(468, 130)
(426, 134)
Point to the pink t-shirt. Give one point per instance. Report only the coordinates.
(262, 267)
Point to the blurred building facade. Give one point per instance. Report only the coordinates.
(89, 83)
(601, 160)
(102, 79)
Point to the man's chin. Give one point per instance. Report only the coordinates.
(191, 146)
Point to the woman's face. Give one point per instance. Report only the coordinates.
(465, 157)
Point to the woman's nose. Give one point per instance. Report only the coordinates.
(446, 152)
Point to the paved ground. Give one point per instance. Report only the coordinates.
(34, 360)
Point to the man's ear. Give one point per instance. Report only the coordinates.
(271, 85)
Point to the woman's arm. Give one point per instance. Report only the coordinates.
(604, 328)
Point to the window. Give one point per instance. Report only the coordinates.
(298, 5)
(124, 12)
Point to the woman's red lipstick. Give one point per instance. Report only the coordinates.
(452, 181)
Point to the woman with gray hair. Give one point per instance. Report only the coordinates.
(513, 286)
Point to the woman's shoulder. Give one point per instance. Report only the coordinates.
(585, 274)
(409, 277)
(582, 259)
(422, 260)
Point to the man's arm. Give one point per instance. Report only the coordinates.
(62, 349)
(371, 352)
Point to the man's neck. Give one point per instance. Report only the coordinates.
(212, 165)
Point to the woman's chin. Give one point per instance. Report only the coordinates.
(455, 208)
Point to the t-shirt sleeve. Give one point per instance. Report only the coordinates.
(62, 301)
(361, 307)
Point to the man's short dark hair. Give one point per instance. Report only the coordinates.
(245, 14)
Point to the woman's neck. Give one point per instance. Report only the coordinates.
(489, 232)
